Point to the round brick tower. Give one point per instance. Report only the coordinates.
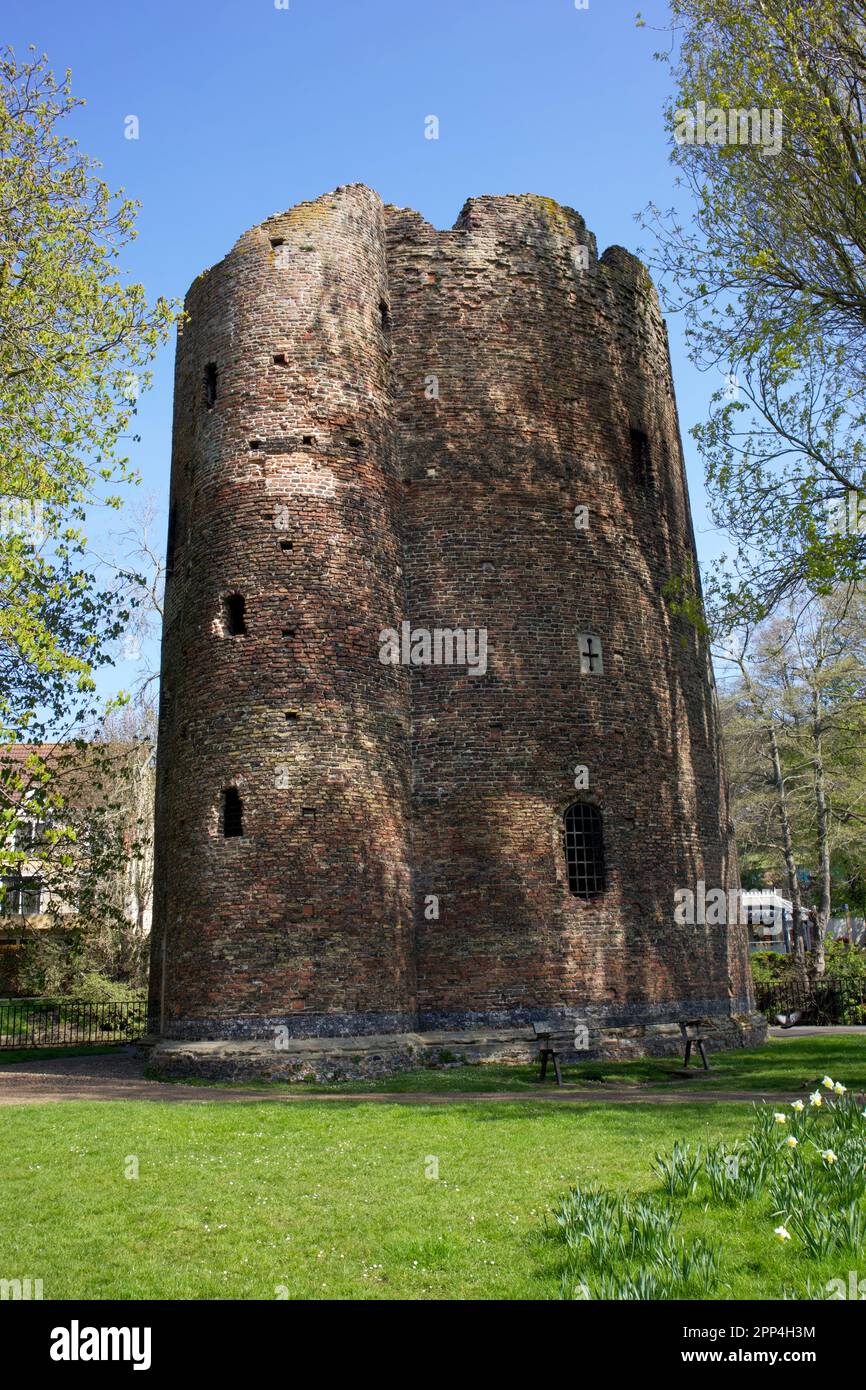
(283, 869)
(382, 428)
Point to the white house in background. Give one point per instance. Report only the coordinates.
(849, 927)
(770, 919)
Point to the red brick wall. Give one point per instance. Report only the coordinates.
(310, 911)
(455, 510)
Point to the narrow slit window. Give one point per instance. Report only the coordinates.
(584, 850)
(210, 385)
(384, 316)
(172, 540)
(287, 545)
(281, 359)
(232, 813)
(641, 460)
(235, 615)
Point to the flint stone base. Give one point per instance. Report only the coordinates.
(368, 1056)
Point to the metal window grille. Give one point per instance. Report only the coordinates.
(584, 850)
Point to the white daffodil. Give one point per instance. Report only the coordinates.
(780, 1118)
(781, 1234)
(840, 1089)
(816, 1098)
(797, 1105)
(828, 1082)
(792, 1142)
(828, 1155)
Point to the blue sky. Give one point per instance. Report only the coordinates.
(245, 109)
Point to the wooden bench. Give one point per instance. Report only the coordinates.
(693, 1037)
(550, 1042)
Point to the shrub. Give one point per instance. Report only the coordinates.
(95, 988)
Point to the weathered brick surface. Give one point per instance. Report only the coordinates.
(451, 504)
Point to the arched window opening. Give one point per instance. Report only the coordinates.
(584, 850)
(231, 813)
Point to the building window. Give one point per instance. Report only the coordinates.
(641, 461)
(210, 385)
(41, 836)
(22, 897)
(232, 813)
(584, 850)
(384, 316)
(234, 615)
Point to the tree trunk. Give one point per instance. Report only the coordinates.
(822, 818)
(788, 847)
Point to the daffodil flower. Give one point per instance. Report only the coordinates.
(828, 1155)
(780, 1118)
(816, 1098)
(828, 1082)
(840, 1089)
(797, 1105)
(781, 1234)
(792, 1142)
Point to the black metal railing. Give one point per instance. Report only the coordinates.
(65, 1022)
(821, 1002)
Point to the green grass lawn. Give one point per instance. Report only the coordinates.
(325, 1201)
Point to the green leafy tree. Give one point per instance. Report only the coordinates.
(770, 272)
(75, 344)
(795, 728)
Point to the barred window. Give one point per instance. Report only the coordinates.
(584, 850)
